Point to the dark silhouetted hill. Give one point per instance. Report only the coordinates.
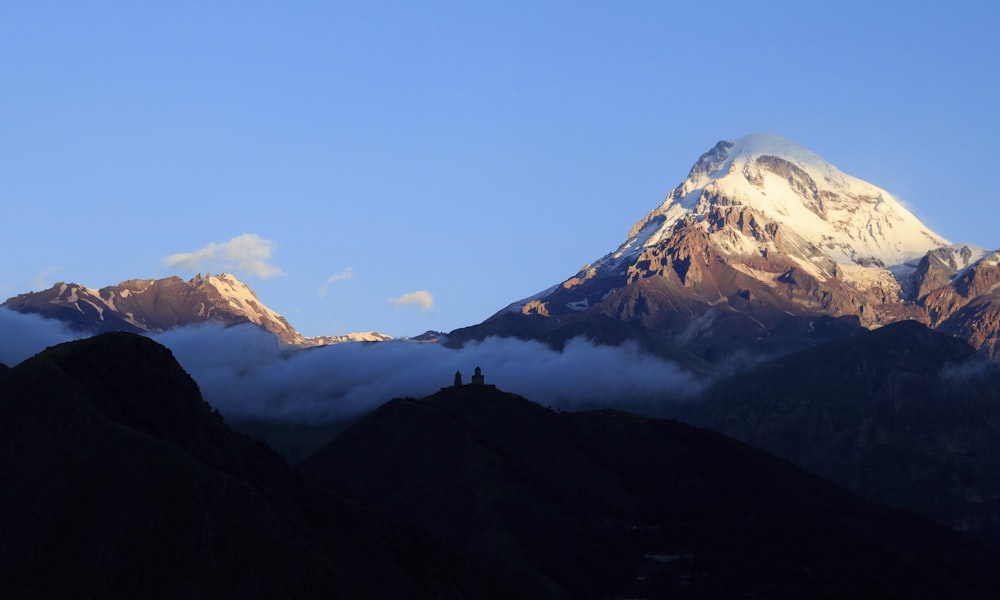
(902, 415)
(119, 481)
(607, 504)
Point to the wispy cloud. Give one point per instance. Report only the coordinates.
(246, 254)
(423, 298)
(40, 281)
(344, 275)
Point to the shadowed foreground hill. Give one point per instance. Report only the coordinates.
(608, 504)
(902, 415)
(119, 481)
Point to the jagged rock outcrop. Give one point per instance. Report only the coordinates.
(967, 304)
(936, 269)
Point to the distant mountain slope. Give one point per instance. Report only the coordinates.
(968, 307)
(611, 505)
(119, 481)
(766, 248)
(155, 305)
(902, 415)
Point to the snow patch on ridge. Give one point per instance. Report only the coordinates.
(99, 309)
(993, 258)
(517, 306)
(240, 297)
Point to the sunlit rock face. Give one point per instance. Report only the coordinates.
(156, 305)
(763, 246)
(968, 306)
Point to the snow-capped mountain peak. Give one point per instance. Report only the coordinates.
(762, 246)
(848, 220)
(717, 161)
(239, 297)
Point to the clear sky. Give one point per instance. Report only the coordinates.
(404, 166)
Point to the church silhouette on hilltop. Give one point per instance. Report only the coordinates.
(477, 380)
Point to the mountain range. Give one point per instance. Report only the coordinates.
(763, 249)
(834, 330)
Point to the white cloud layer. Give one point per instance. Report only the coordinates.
(23, 336)
(246, 254)
(422, 298)
(243, 372)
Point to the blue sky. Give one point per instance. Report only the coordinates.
(408, 166)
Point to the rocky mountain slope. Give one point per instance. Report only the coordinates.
(119, 481)
(902, 415)
(766, 247)
(155, 305)
(610, 505)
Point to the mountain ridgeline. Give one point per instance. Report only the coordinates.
(157, 305)
(765, 248)
(153, 305)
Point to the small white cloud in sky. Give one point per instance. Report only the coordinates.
(344, 275)
(423, 298)
(244, 254)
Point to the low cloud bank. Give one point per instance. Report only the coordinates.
(23, 336)
(243, 372)
(970, 371)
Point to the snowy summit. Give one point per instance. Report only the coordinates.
(761, 237)
(847, 219)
